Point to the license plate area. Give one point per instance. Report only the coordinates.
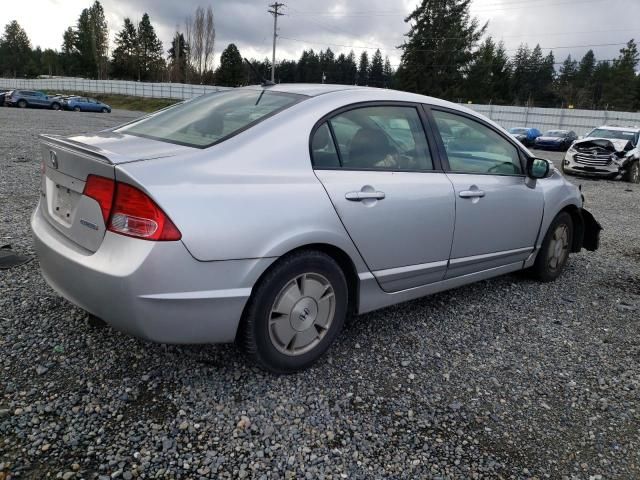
(64, 202)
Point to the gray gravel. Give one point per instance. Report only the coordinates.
(507, 378)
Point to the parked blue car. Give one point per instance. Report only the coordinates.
(526, 136)
(84, 104)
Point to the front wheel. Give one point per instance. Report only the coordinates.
(76, 109)
(633, 173)
(554, 254)
(296, 312)
(55, 106)
(105, 110)
(22, 104)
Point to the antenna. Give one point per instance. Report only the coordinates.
(264, 81)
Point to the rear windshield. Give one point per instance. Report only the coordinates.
(212, 118)
(556, 133)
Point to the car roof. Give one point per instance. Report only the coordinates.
(307, 89)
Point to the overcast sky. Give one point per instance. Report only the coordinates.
(343, 24)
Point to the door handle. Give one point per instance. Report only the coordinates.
(359, 196)
(471, 194)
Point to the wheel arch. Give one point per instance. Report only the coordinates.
(343, 260)
(578, 226)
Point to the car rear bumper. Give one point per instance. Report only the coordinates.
(153, 290)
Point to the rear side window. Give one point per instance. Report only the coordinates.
(212, 118)
(382, 138)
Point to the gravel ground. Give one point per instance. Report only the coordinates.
(506, 378)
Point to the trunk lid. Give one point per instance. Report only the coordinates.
(66, 164)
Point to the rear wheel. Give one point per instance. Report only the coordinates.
(55, 106)
(76, 109)
(22, 103)
(296, 312)
(633, 173)
(554, 254)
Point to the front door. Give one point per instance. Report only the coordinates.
(498, 209)
(376, 165)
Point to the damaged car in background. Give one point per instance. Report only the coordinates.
(608, 152)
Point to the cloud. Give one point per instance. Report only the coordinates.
(358, 24)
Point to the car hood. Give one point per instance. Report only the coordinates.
(119, 148)
(549, 139)
(611, 144)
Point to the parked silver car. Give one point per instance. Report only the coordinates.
(267, 215)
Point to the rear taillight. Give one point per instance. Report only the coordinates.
(129, 211)
(101, 190)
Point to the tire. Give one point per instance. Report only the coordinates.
(55, 106)
(105, 110)
(633, 173)
(282, 327)
(552, 259)
(22, 103)
(76, 109)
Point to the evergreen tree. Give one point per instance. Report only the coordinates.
(584, 81)
(150, 60)
(388, 73)
(601, 79)
(91, 41)
(567, 80)
(479, 85)
(439, 47)
(308, 70)
(125, 55)
(69, 56)
(327, 61)
(376, 71)
(620, 90)
(350, 69)
(230, 72)
(286, 71)
(15, 50)
(521, 84)
(363, 69)
(178, 58)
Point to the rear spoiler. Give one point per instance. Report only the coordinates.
(81, 148)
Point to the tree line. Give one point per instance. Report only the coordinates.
(446, 54)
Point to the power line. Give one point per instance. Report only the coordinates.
(383, 49)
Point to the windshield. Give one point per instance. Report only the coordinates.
(555, 133)
(615, 134)
(211, 118)
(519, 131)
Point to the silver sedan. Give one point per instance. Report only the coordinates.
(267, 215)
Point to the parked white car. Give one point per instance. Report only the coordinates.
(611, 152)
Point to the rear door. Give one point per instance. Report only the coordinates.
(376, 164)
(498, 209)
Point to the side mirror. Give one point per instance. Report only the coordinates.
(538, 168)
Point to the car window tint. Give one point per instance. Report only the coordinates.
(475, 148)
(211, 118)
(382, 138)
(323, 150)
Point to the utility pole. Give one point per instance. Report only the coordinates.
(274, 11)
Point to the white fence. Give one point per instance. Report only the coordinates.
(180, 91)
(580, 121)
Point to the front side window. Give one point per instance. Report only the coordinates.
(475, 148)
(382, 138)
(211, 118)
